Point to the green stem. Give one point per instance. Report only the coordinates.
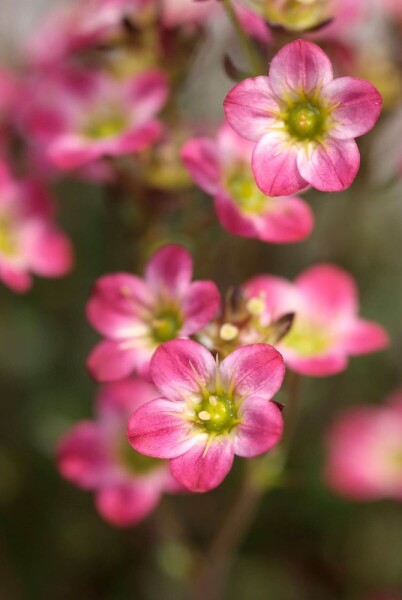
(254, 60)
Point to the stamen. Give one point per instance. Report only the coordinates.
(213, 400)
(204, 415)
(256, 306)
(228, 332)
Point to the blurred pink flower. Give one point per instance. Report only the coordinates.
(365, 451)
(303, 121)
(30, 241)
(209, 412)
(327, 328)
(101, 116)
(95, 456)
(137, 315)
(221, 167)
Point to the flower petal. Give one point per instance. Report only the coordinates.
(201, 469)
(260, 429)
(160, 429)
(300, 66)
(82, 456)
(109, 361)
(358, 106)
(18, 280)
(127, 503)
(331, 363)
(257, 370)
(365, 337)
(147, 93)
(50, 253)
(274, 165)
(71, 151)
(199, 305)
(201, 159)
(250, 108)
(169, 270)
(117, 400)
(331, 166)
(178, 367)
(328, 292)
(118, 304)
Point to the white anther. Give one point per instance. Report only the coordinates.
(204, 415)
(213, 400)
(228, 332)
(256, 306)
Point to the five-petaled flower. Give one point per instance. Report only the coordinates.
(82, 116)
(137, 315)
(326, 329)
(303, 121)
(30, 241)
(365, 451)
(209, 412)
(96, 456)
(222, 168)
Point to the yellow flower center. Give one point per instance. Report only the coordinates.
(166, 325)
(106, 124)
(8, 243)
(135, 462)
(245, 192)
(217, 414)
(305, 121)
(297, 15)
(307, 339)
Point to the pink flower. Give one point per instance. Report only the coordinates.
(303, 121)
(221, 167)
(136, 315)
(80, 117)
(95, 456)
(30, 242)
(209, 412)
(326, 329)
(365, 452)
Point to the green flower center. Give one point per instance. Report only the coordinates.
(297, 15)
(217, 414)
(166, 326)
(307, 339)
(136, 463)
(105, 125)
(305, 121)
(245, 192)
(8, 245)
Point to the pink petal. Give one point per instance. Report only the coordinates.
(133, 140)
(71, 151)
(199, 305)
(201, 159)
(128, 503)
(16, 279)
(109, 361)
(147, 93)
(257, 370)
(328, 292)
(169, 270)
(201, 469)
(250, 108)
(365, 337)
(274, 165)
(160, 429)
(118, 400)
(299, 67)
(50, 253)
(82, 456)
(285, 220)
(260, 429)
(359, 106)
(331, 166)
(253, 24)
(177, 368)
(324, 365)
(118, 304)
